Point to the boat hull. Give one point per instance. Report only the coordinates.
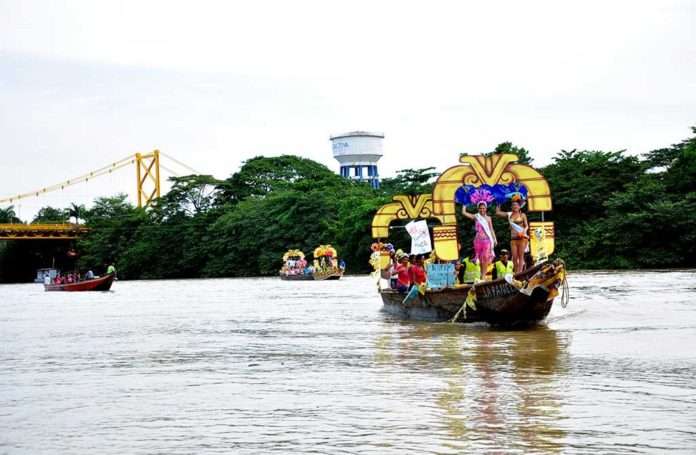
(98, 284)
(296, 277)
(333, 275)
(497, 302)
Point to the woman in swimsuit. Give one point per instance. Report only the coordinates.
(485, 239)
(518, 238)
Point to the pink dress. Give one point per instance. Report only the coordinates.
(482, 244)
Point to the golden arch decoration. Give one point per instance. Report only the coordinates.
(491, 170)
(474, 170)
(403, 207)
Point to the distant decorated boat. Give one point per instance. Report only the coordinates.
(513, 301)
(295, 267)
(325, 266)
(102, 283)
(326, 263)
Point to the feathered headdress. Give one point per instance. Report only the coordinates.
(500, 193)
(481, 196)
(517, 193)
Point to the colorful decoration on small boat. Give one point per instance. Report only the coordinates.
(293, 254)
(325, 250)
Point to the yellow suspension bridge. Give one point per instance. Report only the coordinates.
(147, 167)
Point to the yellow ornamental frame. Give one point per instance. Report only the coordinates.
(404, 207)
(474, 170)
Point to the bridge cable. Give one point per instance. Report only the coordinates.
(73, 181)
(186, 166)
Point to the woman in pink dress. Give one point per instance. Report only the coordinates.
(485, 239)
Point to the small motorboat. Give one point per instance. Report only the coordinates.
(102, 283)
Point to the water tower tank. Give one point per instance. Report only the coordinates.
(358, 153)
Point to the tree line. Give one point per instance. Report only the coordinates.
(611, 210)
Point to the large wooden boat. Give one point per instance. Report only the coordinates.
(522, 302)
(103, 283)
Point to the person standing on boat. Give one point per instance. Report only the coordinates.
(519, 231)
(111, 269)
(485, 239)
(503, 266)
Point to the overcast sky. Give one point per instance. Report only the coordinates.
(86, 83)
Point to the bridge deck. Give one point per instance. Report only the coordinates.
(17, 231)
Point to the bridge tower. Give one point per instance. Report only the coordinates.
(148, 174)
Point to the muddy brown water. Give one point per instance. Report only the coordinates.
(266, 366)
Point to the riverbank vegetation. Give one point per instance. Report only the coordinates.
(611, 209)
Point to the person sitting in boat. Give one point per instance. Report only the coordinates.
(390, 272)
(411, 263)
(342, 264)
(432, 259)
(111, 269)
(470, 271)
(418, 271)
(403, 280)
(503, 266)
(70, 278)
(485, 239)
(89, 275)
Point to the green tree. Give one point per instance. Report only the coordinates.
(189, 196)
(260, 176)
(51, 215)
(114, 224)
(410, 181)
(8, 215)
(75, 211)
(522, 153)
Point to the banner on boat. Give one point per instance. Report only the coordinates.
(440, 275)
(420, 237)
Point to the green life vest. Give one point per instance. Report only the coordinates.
(501, 269)
(472, 271)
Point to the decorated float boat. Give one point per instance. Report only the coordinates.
(295, 267)
(514, 301)
(325, 266)
(102, 283)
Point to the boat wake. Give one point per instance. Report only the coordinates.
(567, 315)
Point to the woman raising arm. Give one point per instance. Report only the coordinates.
(485, 239)
(519, 233)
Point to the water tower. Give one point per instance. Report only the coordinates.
(358, 153)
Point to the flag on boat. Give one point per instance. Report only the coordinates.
(420, 237)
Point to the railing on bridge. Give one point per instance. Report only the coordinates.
(17, 231)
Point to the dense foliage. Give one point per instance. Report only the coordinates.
(611, 209)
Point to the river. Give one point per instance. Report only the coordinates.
(266, 366)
